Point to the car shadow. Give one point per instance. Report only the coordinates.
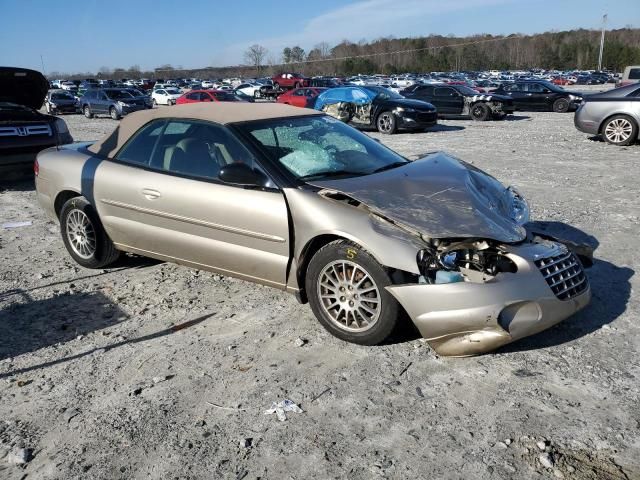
(440, 127)
(88, 326)
(32, 324)
(514, 118)
(18, 182)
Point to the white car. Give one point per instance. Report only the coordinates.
(67, 86)
(401, 82)
(165, 96)
(207, 84)
(250, 89)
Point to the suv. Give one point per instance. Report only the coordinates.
(631, 75)
(534, 95)
(115, 102)
(23, 130)
(289, 80)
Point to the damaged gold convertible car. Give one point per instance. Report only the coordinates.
(295, 199)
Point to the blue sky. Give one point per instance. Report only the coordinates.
(85, 35)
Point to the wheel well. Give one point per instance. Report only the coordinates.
(62, 198)
(602, 124)
(315, 244)
(307, 254)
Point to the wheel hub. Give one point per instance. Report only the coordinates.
(349, 296)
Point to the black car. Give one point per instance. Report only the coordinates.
(60, 101)
(461, 101)
(324, 82)
(540, 95)
(24, 131)
(370, 106)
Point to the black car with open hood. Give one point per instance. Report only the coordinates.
(24, 131)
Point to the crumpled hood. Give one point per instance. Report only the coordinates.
(437, 196)
(23, 87)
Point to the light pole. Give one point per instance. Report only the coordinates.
(604, 26)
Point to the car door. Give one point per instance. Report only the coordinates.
(538, 96)
(425, 93)
(518, 93)
(450, 99)
(161, 197)
(298, 97)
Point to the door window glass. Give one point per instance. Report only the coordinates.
(444, 92)
(139, 150)
(201, 149)
(535, 88)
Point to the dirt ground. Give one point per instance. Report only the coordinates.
(150, 370)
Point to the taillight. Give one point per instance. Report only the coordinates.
(36, 167)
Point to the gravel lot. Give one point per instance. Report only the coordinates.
(150, 370)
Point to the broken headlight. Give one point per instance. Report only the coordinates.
(516, 206)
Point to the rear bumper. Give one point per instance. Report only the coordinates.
(460, 319)
(584, 123)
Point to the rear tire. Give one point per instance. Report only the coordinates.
(620, 130)
(346, 290)
(479, 112)
(561, 105)
(87, 111)
(83, 235)
(155, 104)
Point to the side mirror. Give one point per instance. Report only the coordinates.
(241, 174)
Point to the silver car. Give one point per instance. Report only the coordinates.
(615, 115)
(297, 200)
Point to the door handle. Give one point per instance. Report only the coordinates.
(150, 194)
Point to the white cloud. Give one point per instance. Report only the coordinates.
(367, 19)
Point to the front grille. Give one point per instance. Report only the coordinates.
(564, 275)
(26, 131)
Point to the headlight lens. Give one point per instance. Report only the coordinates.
(53, 105)
(405, 110)
(122, 104)
(516, 206)
(61, 126)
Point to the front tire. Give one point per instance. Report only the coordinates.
(87, 111)
(276, 86)
(387, 123)
(479, 112)
(155, 103)
(346, 290)
(83, 235)
(114, 113)
(620, 130)
(561, 105)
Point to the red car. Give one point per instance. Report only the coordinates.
(195, 96)
(560, 81)
(300, 97)
(289, 80)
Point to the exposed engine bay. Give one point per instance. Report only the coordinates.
(349, 112)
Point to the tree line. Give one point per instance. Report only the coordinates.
(566, 50)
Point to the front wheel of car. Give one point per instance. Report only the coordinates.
(87, 111)
(387, 123)
(48, 109)
(346, 290)
(561, 105)
(83, 235)
(256, 94)
(276, 86)
(155, 103)
(114, 113)
(620, 130)
(480, 112)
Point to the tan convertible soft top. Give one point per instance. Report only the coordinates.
(218, 112)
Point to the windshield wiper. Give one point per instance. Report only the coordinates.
(389, 167)
(330, 173)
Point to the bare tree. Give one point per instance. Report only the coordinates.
(255, 55)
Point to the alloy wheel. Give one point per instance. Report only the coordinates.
(349, 296)
(384, 122)
(81, 234)
(618, 130)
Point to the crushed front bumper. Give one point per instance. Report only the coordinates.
(465, 318)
